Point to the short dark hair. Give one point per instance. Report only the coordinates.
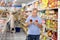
(35, 9)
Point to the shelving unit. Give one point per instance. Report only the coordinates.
(3, 24)
(3, 29)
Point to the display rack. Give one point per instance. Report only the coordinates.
(3, 25)
(3, 31)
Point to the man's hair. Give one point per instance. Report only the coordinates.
(35, 9)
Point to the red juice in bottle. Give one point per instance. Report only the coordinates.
(36, 20)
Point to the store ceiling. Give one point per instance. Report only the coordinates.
(19, 2)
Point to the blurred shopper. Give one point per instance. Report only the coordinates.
(33, 23)
(12, 23)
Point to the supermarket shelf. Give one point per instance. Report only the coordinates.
(47, 37)
(50, 19)
(31, 2)
(48, 8)
(49, 28)
(44, 9)
(3, 32)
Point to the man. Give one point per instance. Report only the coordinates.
(33, 23)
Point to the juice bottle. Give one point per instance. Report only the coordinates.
(54, 36)
(30, 20)
(36, 20)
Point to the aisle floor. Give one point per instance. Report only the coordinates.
(16, 36)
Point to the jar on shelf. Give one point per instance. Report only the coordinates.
(54, 36)
(49, 33)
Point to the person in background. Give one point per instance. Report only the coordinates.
(34, 23)
(12, 27)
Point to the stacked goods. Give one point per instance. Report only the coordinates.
(48, 23)
(49, 33)
(43, 4)
(48, 3)
(54, 24)
(51, 24)
(43, 37)
(53, 3)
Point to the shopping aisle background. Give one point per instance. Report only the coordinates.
(20, 36)
(16, 36)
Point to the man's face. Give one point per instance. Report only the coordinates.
(34, 12)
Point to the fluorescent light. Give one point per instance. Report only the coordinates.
(15, 0)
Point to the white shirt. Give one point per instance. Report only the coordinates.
(12, 21)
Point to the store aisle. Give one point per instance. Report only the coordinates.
(20, 36)
(16, 36)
